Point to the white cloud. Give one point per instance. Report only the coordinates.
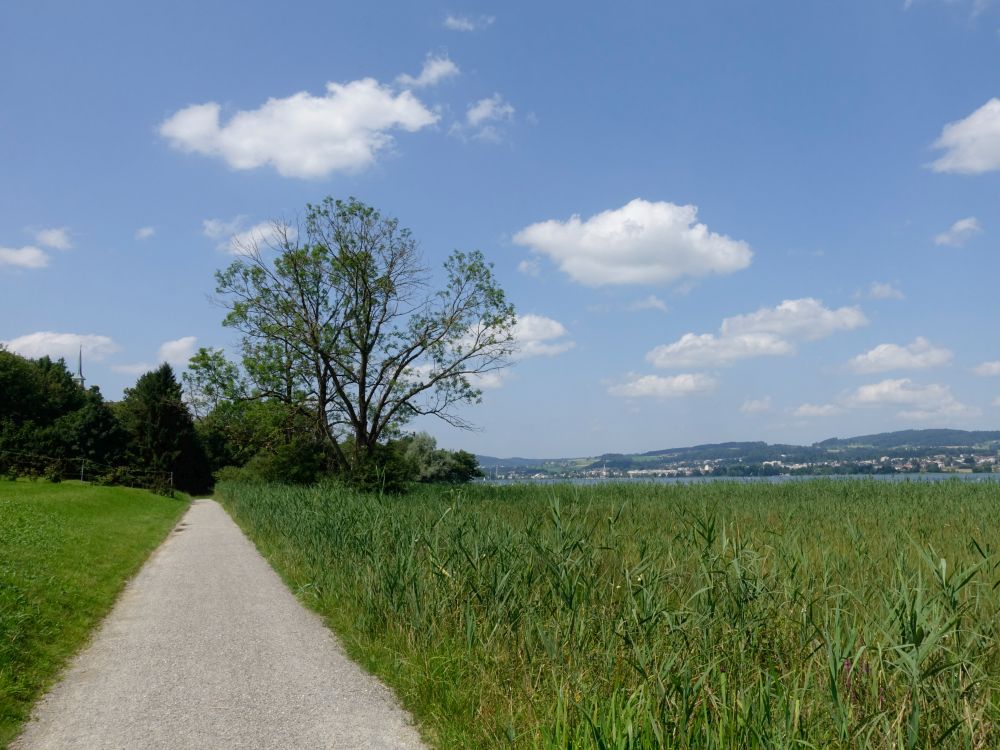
(987, 369)
(959, 233)
(464, 23)
(709, 350)
(756, 406)
(486, 110)
(534, 336)
(484, 119)
(642, 242)
(658, 386)
(537, 335)
(530, 267)
(65, 345)
(57, 238)
(435, 70)
(805, 318)
(768, 332)
(920, 403)
(302, 135)
(810, 411)
(23, 257)
(175, 353)
(144, 233)
(972, 145)
(881, 290)
(652, 302)
(239, 241)
(918, 355)
(178, 352)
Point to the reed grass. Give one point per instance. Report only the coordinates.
(823, 614)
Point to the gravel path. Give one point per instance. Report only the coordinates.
(207, 648)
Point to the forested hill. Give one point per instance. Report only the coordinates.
(904, 442)
(917, 439)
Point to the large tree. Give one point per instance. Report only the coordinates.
(340, 322)
(162, 438)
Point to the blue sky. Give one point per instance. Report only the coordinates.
(718, 220)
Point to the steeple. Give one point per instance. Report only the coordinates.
(79, 369)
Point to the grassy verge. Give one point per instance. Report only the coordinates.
(66, 551)
(844, 614)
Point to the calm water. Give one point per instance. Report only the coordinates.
(781, 479)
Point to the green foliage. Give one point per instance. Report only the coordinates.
(833, 614)
(161, 432)
(65, 553)
(339, 326)
(44, 412)
(428, 463)
(299, 461)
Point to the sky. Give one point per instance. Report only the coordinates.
(717, 220)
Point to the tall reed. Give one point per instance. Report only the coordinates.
(820, 614)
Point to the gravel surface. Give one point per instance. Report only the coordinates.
(207, 648)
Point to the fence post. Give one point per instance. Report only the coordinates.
(171, 481)
(83, 463)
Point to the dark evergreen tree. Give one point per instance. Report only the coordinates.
(161, 431)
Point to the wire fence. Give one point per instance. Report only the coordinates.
(14, 464)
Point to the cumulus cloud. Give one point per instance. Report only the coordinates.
(302, 135)
(534, 336)
(175, 353)
(465, 23)
(810, 411)
(64, 345)
(237, 239)
(959, 233)
(57, 238)
(920, 354)
(805, 318)
(435, 70)
(972, 145)
(652, 302)
(987, 369)
(23, 257)
(658, 386)
(919, 403)
(882, 290)
(756, 406)
(486, 110)
(484, 119)
(144, 233)
(537, 335)
(642, 242)
(178, 352)
(709, 350)
(768, 332)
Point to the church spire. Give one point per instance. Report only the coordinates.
(79, 369)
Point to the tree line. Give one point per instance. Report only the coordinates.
(343, 341)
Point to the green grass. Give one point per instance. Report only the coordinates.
(842, 614)
(66, 551)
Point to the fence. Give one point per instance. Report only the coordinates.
(56, 468)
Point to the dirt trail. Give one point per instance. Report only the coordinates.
(207, 648)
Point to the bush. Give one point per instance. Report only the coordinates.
(301, 461)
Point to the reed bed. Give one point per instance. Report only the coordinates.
(843, 614)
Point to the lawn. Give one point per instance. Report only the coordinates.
(66, 551)
(823, 614)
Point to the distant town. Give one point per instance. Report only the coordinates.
(905, 452)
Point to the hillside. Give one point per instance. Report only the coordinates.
(902, 444)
